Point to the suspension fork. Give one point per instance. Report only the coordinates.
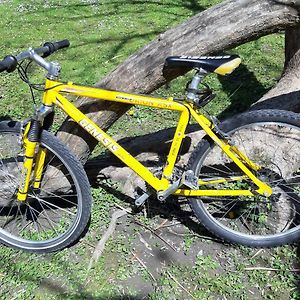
(35, 154)
(31, 138)
(46, 116)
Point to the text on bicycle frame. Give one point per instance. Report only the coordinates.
(90, 128)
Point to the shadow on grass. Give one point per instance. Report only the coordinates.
(170, 209)
(69, 287)
(117, 6)
(243, 90)
(121, 42)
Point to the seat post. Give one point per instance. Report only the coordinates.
(192, 88)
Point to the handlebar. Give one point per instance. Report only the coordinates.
(52, 47)
(10, 62)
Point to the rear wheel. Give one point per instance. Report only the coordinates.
(55, 214)
(270, 138)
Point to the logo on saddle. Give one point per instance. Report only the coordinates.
(205, 57)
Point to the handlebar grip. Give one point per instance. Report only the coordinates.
(55, 46)
(9, 64)
(62, 44)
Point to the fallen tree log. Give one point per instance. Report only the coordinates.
(221, 27)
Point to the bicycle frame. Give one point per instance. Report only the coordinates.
(53, 96)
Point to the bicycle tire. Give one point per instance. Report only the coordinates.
(56, 214)
(253, 221)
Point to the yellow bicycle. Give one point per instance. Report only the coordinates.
(242, 180)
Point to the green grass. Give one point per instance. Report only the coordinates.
(103, 34)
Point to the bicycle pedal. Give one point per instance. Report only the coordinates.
(141, 199)
(190, 180)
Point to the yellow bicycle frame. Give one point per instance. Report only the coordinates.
(53, 96)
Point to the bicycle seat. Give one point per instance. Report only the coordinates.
(221, 65)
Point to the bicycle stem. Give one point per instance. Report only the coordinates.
(53, 68)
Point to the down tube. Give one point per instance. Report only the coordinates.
(109, 143)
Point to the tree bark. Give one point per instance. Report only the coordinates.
(286, 93)
(221, 27)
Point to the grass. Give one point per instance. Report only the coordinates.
(103, 34)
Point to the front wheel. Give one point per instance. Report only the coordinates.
(270, 138)
(56, 213)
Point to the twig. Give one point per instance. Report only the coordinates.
(195, 235)
(101, 244)
(152, 231)
(129, 211)
(269, 269)
(161, 224)
(143, 265)
(112, 58)
(257, 253)
(88, 244)
(180, 285)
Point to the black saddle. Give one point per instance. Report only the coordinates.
(221, 65)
